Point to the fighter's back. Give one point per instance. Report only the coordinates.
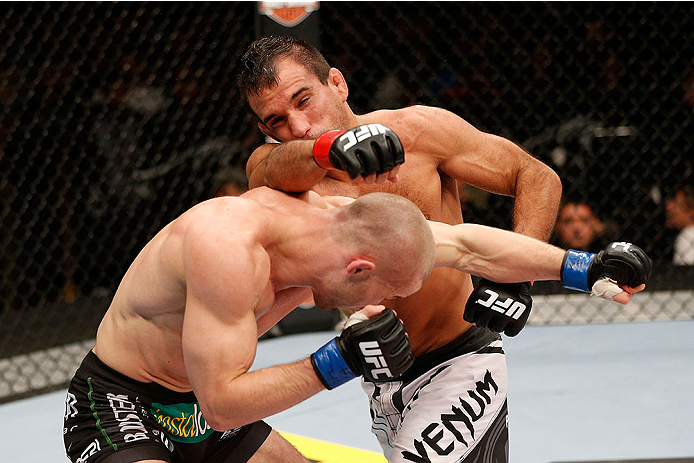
(147, 311)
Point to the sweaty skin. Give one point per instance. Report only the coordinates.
(440, 148)
(189, 310)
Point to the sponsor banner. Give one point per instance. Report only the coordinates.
(288, 14)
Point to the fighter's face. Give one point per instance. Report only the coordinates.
(300, 106)
(355, 295)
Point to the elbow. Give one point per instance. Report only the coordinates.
(222, 422)
(554, 182)
(218, 415)
(540, 177)
(548, 177)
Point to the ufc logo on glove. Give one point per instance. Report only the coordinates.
(363, 132)
(509, 307)
(373, 355)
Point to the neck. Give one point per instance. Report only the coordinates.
(296, 250)
(352, 119)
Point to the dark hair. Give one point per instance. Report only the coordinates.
(258, 63)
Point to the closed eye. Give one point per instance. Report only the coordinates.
(278, 122)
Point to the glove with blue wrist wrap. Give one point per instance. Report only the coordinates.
(623, 263)
(377, 348)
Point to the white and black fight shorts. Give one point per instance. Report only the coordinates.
(111, 418)
(450, 406)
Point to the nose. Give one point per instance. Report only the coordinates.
(300, 126)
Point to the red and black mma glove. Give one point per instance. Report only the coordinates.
(362, 150)
(624, 263)
(377, 348)
(500, 307)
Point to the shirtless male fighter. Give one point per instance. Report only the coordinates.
(168, 378)
(324, 146)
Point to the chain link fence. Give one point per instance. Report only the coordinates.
(117, 117)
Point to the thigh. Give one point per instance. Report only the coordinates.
(110, 427)
(458, 415)
(277, 449)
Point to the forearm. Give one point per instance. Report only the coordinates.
(288, 167)
(537, 198)
(261, 393)
(495, 254)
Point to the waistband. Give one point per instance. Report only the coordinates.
(472, 340)
(93, 366)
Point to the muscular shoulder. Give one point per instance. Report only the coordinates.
(293, 203)
(417, 116)
(427, 131)
(224, 257)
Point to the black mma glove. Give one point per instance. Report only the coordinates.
(362, 150)
(500, 307)
(377, 348)
(622, 262)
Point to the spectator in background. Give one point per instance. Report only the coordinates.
(680, 215)
(578, 227)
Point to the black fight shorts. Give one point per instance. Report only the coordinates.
(111, 418)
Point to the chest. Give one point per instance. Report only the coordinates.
(419, 181)
(275, 306)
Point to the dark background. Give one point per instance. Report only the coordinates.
(116, 118)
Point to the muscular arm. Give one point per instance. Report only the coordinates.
(495, 254)
(285, 166)
(494, 164)
(220, 336)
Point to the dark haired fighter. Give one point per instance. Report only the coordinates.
(420, 153)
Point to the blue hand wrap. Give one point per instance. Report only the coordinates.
(331, 366)
(574, 270)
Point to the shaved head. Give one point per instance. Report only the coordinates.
(393, 231)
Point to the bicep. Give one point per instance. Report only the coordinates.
(219, 334)
(217, 348)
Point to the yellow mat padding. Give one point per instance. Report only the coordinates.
(327, 452)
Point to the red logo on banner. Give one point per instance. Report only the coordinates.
(288, 14)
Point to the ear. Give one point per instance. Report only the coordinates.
(266, 131)
(359, 265)
(337, 80)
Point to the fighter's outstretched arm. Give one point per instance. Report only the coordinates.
(495, 254)
(503, 256)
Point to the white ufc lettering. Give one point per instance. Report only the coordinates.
(509, 307)
(363, 132)
(625, 246)
(373, 355)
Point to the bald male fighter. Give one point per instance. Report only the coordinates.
(168, 377)
(421, 153)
